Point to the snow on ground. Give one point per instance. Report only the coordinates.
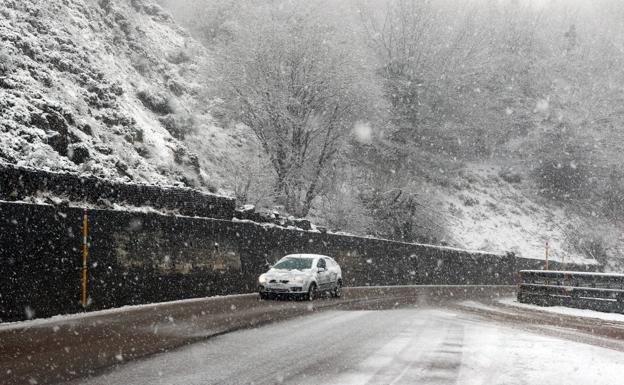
(495, 355)
(482, 306)
(569, 311)
(485, 212)
(71, 318)
(406, 346)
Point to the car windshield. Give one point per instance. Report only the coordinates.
(294, 264)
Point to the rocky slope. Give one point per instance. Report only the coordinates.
(111, 88)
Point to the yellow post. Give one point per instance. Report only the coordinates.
(84, 259)
(546, 254)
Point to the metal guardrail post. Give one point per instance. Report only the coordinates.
(85, 252)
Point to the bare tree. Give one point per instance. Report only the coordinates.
(435, 58)
(300, 92)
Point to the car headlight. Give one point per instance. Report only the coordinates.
(262, 279)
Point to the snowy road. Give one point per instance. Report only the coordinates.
(404, 346)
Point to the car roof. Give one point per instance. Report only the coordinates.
(306, 256)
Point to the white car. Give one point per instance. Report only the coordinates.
(302, 275)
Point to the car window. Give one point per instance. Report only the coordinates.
(294, 264)
(321, 263)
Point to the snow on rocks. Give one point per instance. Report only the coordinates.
(70, 84)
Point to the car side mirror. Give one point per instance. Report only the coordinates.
(321, 269)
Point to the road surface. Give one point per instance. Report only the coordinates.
(59, 349)
(410, 345)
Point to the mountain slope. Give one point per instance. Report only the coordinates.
(116, 89)
(489, 209)
(110, 88)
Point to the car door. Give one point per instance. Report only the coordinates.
(323, 274)
(332, 267)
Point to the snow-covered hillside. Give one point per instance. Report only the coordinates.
(487, 208)
(109, 88)
(115, 88)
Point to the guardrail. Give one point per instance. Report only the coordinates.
(595, 291)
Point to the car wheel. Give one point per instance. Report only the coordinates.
(264, 296)
(311, 292)
(338, 290)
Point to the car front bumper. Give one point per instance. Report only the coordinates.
(281, 288)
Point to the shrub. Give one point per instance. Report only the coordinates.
(589, 242)
(141, 64)
(176, 86)
(178, 57)
(177, 125)
(562, 166)
(612, 196)
(403, 216)
(78, 153)
(106, 5)
(159, 103)
(6, 63)
(468, 200)
(510, 176)
(561, 177)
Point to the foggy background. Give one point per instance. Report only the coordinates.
(432, 90)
